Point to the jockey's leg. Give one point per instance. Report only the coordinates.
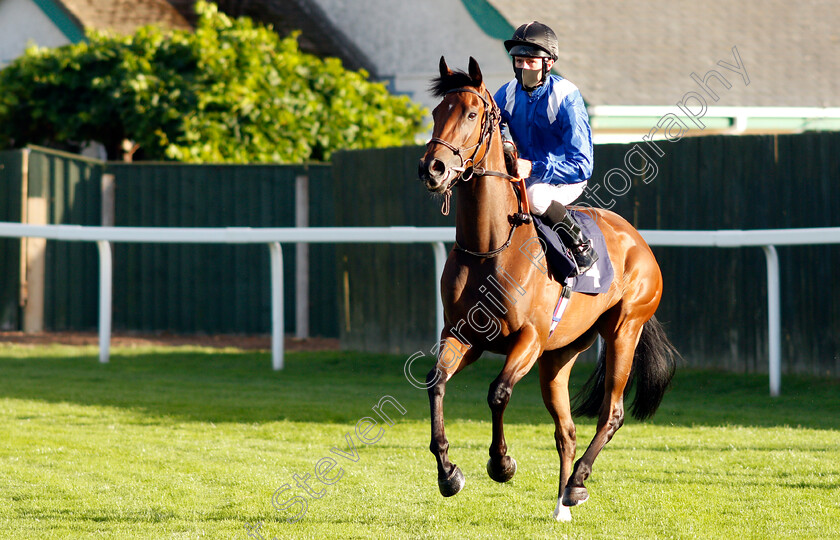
(549, 201)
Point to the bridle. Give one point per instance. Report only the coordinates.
(470, 169)
(489, 120)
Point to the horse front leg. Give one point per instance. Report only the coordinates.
(520, 360)
(453, 356)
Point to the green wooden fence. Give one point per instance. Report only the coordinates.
(715, 300)
(381, 297)
(714, 303)
(216, 288)
(11, 163)
(160, 287)
(69, 185)
(387, 292)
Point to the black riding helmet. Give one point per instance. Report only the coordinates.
(533, 40)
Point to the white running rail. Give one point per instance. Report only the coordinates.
(436, 236)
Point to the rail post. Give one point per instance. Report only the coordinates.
(105, 293)
(774, 320)
(440, 262)
(276, 254)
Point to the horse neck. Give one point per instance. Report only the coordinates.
(484, 204)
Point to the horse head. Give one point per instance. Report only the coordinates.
(463, 123)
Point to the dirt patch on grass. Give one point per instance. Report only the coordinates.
(130, 339)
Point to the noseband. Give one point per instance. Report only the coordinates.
(469, 169)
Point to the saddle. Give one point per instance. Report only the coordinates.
(561, 264)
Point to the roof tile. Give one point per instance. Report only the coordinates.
(643, 53)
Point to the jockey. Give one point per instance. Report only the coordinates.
(545, 116)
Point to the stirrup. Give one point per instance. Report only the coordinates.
(585, 257)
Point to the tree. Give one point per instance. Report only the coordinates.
(232, 91)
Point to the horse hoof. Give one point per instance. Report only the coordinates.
(562, 513)
(452, 485)
(502, 472)
(573, 496)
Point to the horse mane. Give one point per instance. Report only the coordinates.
(456, 79)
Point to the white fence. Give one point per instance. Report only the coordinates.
(435, 236)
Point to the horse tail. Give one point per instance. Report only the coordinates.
(654, 363)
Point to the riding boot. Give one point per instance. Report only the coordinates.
(572, 236)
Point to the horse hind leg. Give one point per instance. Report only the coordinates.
(555, 368)
(619, 347)
(644, 347)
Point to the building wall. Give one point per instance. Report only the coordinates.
(22, 22)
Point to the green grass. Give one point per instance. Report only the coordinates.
(191, 443)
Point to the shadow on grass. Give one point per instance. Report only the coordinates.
(189, 384)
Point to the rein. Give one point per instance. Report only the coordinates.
(469, 169)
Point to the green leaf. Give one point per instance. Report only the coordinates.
(231, 91)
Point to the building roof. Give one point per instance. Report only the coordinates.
(643, 53)
(123, 16)
(403, 40)
(318, 35)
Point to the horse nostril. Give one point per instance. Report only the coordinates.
(438, 167)
(432, 171)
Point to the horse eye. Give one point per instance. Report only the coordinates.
(472, 116)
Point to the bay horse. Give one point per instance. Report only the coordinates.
(497, 299)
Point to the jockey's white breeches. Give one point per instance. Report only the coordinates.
(542, 195)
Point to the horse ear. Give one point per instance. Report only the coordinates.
(444, 69)
(475, 71)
